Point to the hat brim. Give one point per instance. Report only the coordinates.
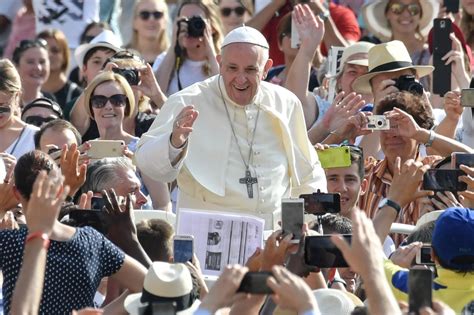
(362, 84)
(132, 303)
(82, 50)
(375, 20)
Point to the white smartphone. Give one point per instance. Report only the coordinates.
(295, 37)
(105, 148)
(183, 248)
(292, 217)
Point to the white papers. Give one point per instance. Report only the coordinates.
(221, 238)
(334, 56)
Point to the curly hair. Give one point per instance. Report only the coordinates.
(413, 104)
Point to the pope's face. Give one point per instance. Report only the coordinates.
(242, 67)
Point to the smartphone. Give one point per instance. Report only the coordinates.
(441, 46)
(335, 157)
(255, 283)
(451, 6)
(459, 158)
(321, 252)
(88, 217)
(97, 203)
(105, 148)
(423, 256)
(443, 180)
(292, 217)
(467, 97)
(183, 248)
(295, 37)
(320, 203)
(420, 286)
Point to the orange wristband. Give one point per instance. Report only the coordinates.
(41, 235)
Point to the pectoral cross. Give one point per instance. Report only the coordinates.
(249, 181)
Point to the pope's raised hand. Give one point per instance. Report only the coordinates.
(183, 126)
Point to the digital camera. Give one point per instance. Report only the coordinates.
(196, 26)
(378, 122)
(131, 75)
(410, 84)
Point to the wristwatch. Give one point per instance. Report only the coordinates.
(324, 15)
(387, 202)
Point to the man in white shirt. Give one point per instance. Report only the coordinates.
(248, 148)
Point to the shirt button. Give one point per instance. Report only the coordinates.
(262, 200)
(250, 117)
(262, 188)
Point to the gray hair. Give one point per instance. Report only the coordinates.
(102, 174)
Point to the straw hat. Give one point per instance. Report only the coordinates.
(106, 39)
(165, 282)
(373, 13)
(349, 54)
(387, 57)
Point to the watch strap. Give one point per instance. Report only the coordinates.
(393, 205)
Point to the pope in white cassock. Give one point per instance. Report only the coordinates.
(234, 142)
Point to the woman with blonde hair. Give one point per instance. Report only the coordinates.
(235, 13)
(149, 29)
(197, 35)
(16, 137)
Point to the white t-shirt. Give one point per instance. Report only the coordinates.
(24, 143)
(70, 16)
(189, 73)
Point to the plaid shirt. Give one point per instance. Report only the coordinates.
(379, 180)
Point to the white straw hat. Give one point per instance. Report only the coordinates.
(106, 39)
(353, 50)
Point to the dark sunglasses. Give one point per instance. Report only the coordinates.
(398, 8)
(38, 121)
(239, 11)
(125, 54)
(28, 43)
(145, 15)
(5, 110)
(117, 100)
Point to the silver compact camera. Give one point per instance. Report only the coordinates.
(378, 122)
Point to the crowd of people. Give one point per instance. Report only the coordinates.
(229, 107)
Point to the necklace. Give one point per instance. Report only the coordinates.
(247, 180)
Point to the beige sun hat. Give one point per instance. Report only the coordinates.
(352, 54)
(330, 302)
(429, 217)
(165, 282)
(373, 13)
(106, 39)
(387, 57)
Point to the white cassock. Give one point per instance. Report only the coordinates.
(283, 159)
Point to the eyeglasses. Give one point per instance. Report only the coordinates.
(145, 15)
(117, 100)
(398, 8)
(239, 11)
(38, 121)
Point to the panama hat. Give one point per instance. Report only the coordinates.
(330, 302)
(247, 35)
(387, 57)
(165, 282)
(351, 54)
(106, 39)
(429, 217)
(373, 13)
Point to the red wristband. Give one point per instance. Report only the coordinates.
(41, 235)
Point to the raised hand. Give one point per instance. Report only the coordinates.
(342, 108)
(7, 197)
(460, 78)
(404, 122)
(45, 202)
(310, 29)
(183, 126)
(74, 174)
(452, 105)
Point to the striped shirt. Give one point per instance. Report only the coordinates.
(379, 180)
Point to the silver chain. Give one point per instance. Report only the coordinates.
(247, 164)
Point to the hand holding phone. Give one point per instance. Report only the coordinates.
(100, 149)
(423, 256)
(441, 46)
(458, 159)
(452, 6)
(292, 217)
(335, 157)
(321, 252)
(183, 248)
(443, 180)
(420, 286)
(321, 203)
(88, 217)
(255, 283)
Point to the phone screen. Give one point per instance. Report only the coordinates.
(467, 97)
(443, 180)
(292, 216)
(321, 252)
(462, 158)
(420, 286)
(88, 217)
(441, 46)
(424, 256)
(451, 6)
(256, 283)
(97, 203)
(182, 250)
(321, 203)
(335, 157)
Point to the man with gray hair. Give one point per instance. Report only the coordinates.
(117, 173)
(248, 148)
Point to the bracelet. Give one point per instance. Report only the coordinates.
(41, 235)
(430, 139)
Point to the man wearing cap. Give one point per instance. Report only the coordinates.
(248, 148)
(453, 253)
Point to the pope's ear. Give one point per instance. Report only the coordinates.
(219, 60)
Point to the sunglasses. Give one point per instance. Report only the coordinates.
(145, 15)
(5, 110)
(239, 11)
(28, 43)
(398, 8)
(38, 121)
(117, 100)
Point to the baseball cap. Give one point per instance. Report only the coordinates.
(245, 34)
(453, 238)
